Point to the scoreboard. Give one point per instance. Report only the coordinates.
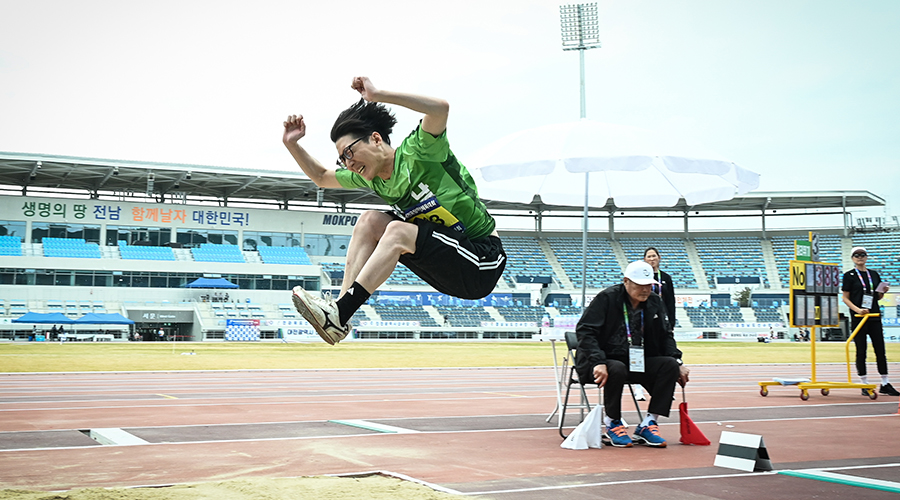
(815, 287)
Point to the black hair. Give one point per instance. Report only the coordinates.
(654, 249)
(363, 118)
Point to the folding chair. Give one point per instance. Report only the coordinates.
(572, 379)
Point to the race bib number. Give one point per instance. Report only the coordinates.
(636, 359)
(432, 211)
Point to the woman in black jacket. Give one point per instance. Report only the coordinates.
(666, 289)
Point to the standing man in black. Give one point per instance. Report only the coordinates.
(623, 335)
(861, 293)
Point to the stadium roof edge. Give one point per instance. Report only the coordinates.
(93, 175)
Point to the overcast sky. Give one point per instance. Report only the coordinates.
(806, 93)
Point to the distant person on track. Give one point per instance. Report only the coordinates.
(439, 228)
(623, 336)
(862, 289)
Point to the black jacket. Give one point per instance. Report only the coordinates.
(601, 331)
(668, 297)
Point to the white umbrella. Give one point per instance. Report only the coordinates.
(633, 166)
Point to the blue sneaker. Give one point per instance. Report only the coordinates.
(649, 435)
(617, 436)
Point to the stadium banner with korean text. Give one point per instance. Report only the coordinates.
(37, 209)
(292, 330)
(691, 300)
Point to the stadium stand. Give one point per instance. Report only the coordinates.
(464, 316)
(70, 247)
(403, 312)
(283, 255)
(10, 245)
(883, 255)
(771, 314)
(211, 252)
(142, 252)
(674, 257)
(522, 313)
(710, 317)
(731, 257)
(401, 276)
(525, 257)
(603, 268)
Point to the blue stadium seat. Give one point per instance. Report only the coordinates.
(146, 253)
(731, 257)
(882, 250)
(70, 247)
(211, 252)
(283, 255)
(525, 258)
(10, 245)
(603, 269)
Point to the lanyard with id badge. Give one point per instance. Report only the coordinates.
(635, 353)
(867, 299)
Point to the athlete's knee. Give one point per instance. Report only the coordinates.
(402, 235)
(371, 224)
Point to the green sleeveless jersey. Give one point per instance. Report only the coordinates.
(429, 183)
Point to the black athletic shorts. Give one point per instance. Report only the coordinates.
(453, 264)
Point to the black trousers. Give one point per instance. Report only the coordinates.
(659, 378)
(875, 331)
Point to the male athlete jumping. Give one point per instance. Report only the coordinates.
(439, 228)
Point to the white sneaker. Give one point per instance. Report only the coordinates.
(638, 393)
(322, 314)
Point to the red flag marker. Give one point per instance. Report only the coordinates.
(690, 433)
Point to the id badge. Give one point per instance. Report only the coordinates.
(636, 359)
(866, 301)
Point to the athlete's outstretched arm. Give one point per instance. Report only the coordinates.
(294, 130)
(435, 110)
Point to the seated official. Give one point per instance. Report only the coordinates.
(623, 335)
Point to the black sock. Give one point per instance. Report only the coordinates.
(355, 297)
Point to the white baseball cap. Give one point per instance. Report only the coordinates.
(858, 249)
(640, 273)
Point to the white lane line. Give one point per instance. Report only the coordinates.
(888, 487)
(610, 483)
(831, 477)
(374, 426)
(336, 436)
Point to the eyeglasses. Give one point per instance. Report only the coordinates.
(860, 255)
(347, 154)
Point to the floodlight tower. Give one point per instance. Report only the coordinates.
(580, 27)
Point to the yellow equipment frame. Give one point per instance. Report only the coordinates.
(825, 387)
